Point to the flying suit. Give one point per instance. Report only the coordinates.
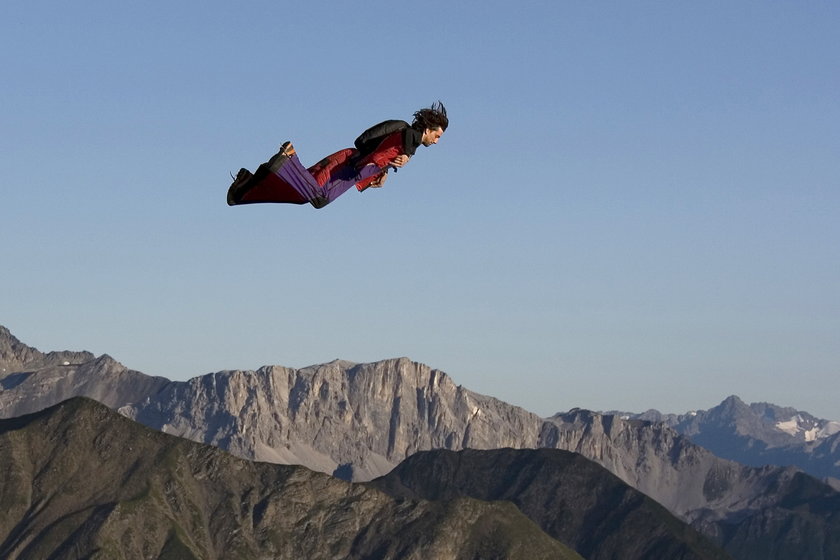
(283, 179)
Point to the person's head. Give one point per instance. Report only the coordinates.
(432, 121)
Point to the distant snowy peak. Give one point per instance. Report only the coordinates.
(759, 420)
(758, 434)
(800, 425)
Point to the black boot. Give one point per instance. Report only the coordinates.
(239, 187)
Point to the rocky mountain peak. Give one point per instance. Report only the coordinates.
(731, 407)
(16, 356)
(13, 353)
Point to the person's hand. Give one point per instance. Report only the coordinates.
(400, 160)
(379, 181)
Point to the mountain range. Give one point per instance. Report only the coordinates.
(360, 421)
(759, 434)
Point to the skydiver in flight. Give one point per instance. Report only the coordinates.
(389, 144)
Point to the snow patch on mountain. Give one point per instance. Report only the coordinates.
(808, 429)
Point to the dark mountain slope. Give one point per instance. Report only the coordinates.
(80, 481)
(569, 496)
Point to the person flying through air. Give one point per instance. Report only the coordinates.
(389, 144)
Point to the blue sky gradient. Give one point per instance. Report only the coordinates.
(637, 204)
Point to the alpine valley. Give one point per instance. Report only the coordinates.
(389, 459)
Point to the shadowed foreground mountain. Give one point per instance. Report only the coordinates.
(571, 498)
(80, 481)
(358, 421)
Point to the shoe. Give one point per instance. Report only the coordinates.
(280, 158)
(287, 149)
(238, 187)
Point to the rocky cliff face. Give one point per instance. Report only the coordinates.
(79, 481)
(355, 420)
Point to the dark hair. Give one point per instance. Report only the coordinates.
(432, 117)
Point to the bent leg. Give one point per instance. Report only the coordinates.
(296, 175)
(282, 179)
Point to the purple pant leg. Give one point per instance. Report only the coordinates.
(296, 175)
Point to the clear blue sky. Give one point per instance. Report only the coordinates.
(637, 204)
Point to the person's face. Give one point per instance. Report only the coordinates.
(431, 136)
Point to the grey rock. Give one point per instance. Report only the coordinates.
(360, 418)
(52, 378)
